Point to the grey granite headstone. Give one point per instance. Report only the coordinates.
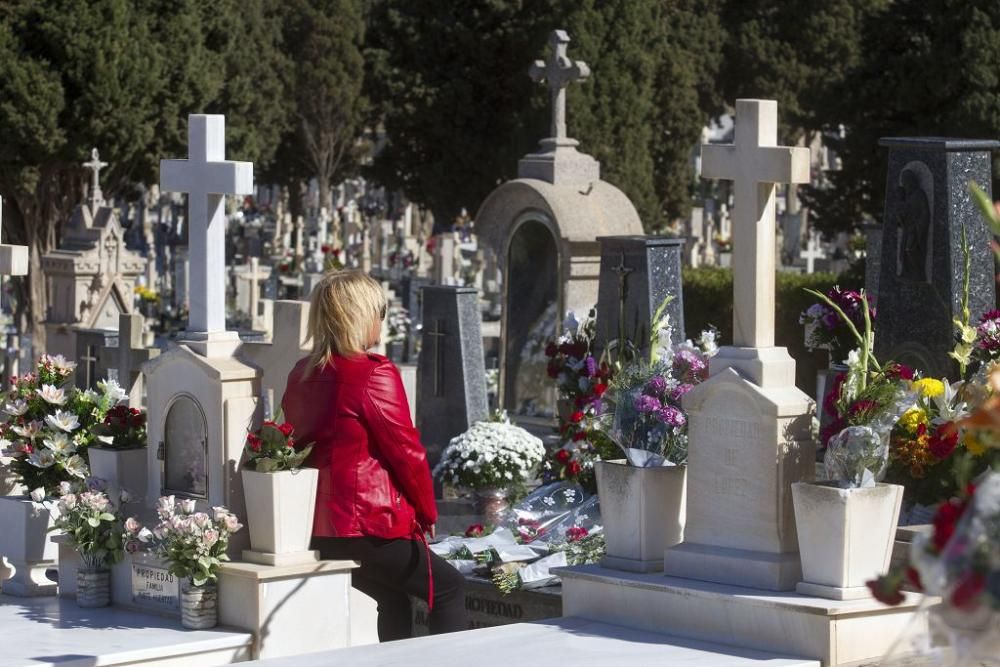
(451, 374)
(873, 259)
(927, 203)
(644, 271)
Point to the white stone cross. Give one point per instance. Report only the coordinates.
(558, 72)
(254, 277)
(206, 176)
(755, 163)
(95, 165)
(13, 258)
(812, 252)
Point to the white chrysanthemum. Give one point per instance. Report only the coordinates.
(63, 420)
(52, 394)
(59, 443)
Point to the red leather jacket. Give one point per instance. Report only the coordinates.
(373, 474)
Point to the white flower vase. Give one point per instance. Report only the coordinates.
(280, 508)
(24, 541)
(120, 468)
(846, 536)
(644, 511)
(93, 587)
(199, 606)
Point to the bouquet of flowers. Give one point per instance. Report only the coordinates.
(192, 543)
(827, 329)
(123, 428)
(272, 447)
(94, 525)
(580, 377)
(398, 320)
(49, 425)
(490, 455)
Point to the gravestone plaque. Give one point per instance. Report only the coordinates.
(154, 587)
(532, 319)
(638, 273)
(96, 351)
(451, 374)
(487, 607)
(185, 450)
(927, 205)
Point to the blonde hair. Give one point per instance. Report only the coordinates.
(342, 308)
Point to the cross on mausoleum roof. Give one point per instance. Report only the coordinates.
(558, 72)
(206, 176)
(755, 163)
(95, 165)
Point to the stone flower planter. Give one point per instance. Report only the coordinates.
(846, 536)
(199, 606)
(93, 588)
(280, 509)
(120, 468)
(643, 510)
(24, 541)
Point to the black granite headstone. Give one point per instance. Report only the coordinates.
(451, 374)
(96, 352)
(927, 204)
(643, 271)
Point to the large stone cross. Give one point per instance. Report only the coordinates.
(95, 165)
(558, 72)
(13, 258)
(206, 176)
(755, 163)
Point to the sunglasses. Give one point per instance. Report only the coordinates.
(382, 313)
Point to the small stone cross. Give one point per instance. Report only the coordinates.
(206, 176)
(95, 165)
(558, 72)
(755, 163)
(89, 366)
(437, 335)
(13, 258)
(622, 272)
(812, 252)
(255, 277)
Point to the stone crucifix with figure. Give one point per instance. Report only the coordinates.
(207, 177)
(749, 425)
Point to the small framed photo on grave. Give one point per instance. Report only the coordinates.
(185, 450)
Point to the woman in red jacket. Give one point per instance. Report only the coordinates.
(375, 501)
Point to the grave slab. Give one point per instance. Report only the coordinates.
(831, 631)
(65, 635)
(570, 641)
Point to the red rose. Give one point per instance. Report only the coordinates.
(253, 442)
(576, 417)
(563, 456)
(551, 350)
(573, 468)
(600, 388)
(913, 577)
(886, 590)
(832, 396)
(945, 522)
(325, 249)
(576, 533)
(943, 442)
(286, 429)
(475, 530)
(966, 593)
(580, 435)
(553, 370)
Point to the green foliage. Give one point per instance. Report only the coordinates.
(93, 524)
(708, 300)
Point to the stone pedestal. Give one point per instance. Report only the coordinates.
(749, 428)
(290, 610)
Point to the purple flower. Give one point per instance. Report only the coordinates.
(680, 390)
(670, 415)
(656, 386)
(648, 404)
(689, 364)
(591, 366)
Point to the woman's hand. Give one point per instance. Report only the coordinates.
(432, 531)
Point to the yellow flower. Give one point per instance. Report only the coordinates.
(929, 387)
(912, 419)
(973, 444)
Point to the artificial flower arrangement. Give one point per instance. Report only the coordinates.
(192, 543)
(49, 425)
(399, 323)
(272, 447)
(490, 455)
(92, 521)
(828, 322)
(123, 427)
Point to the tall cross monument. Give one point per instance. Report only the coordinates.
(558, 72)
(206, 176)
(95, 165)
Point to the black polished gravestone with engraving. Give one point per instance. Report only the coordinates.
(642, 272)
(922, 268)
(451, 373)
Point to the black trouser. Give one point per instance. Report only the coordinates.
(391, 571)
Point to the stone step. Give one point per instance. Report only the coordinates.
(51, 631)
(566, 641)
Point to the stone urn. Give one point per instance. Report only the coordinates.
(644, 511)
(24, 541)
(492, 505)
(199, 605)
(121, 469)
(846, 536)
(280, 507)
(93, 587)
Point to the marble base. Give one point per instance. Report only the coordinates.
(266, 558)
(632, 564)
(832, 592)
(558, 162)
(59, 633)
(759, 569)
(567, 641)
(832, 631)
(279, 604)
